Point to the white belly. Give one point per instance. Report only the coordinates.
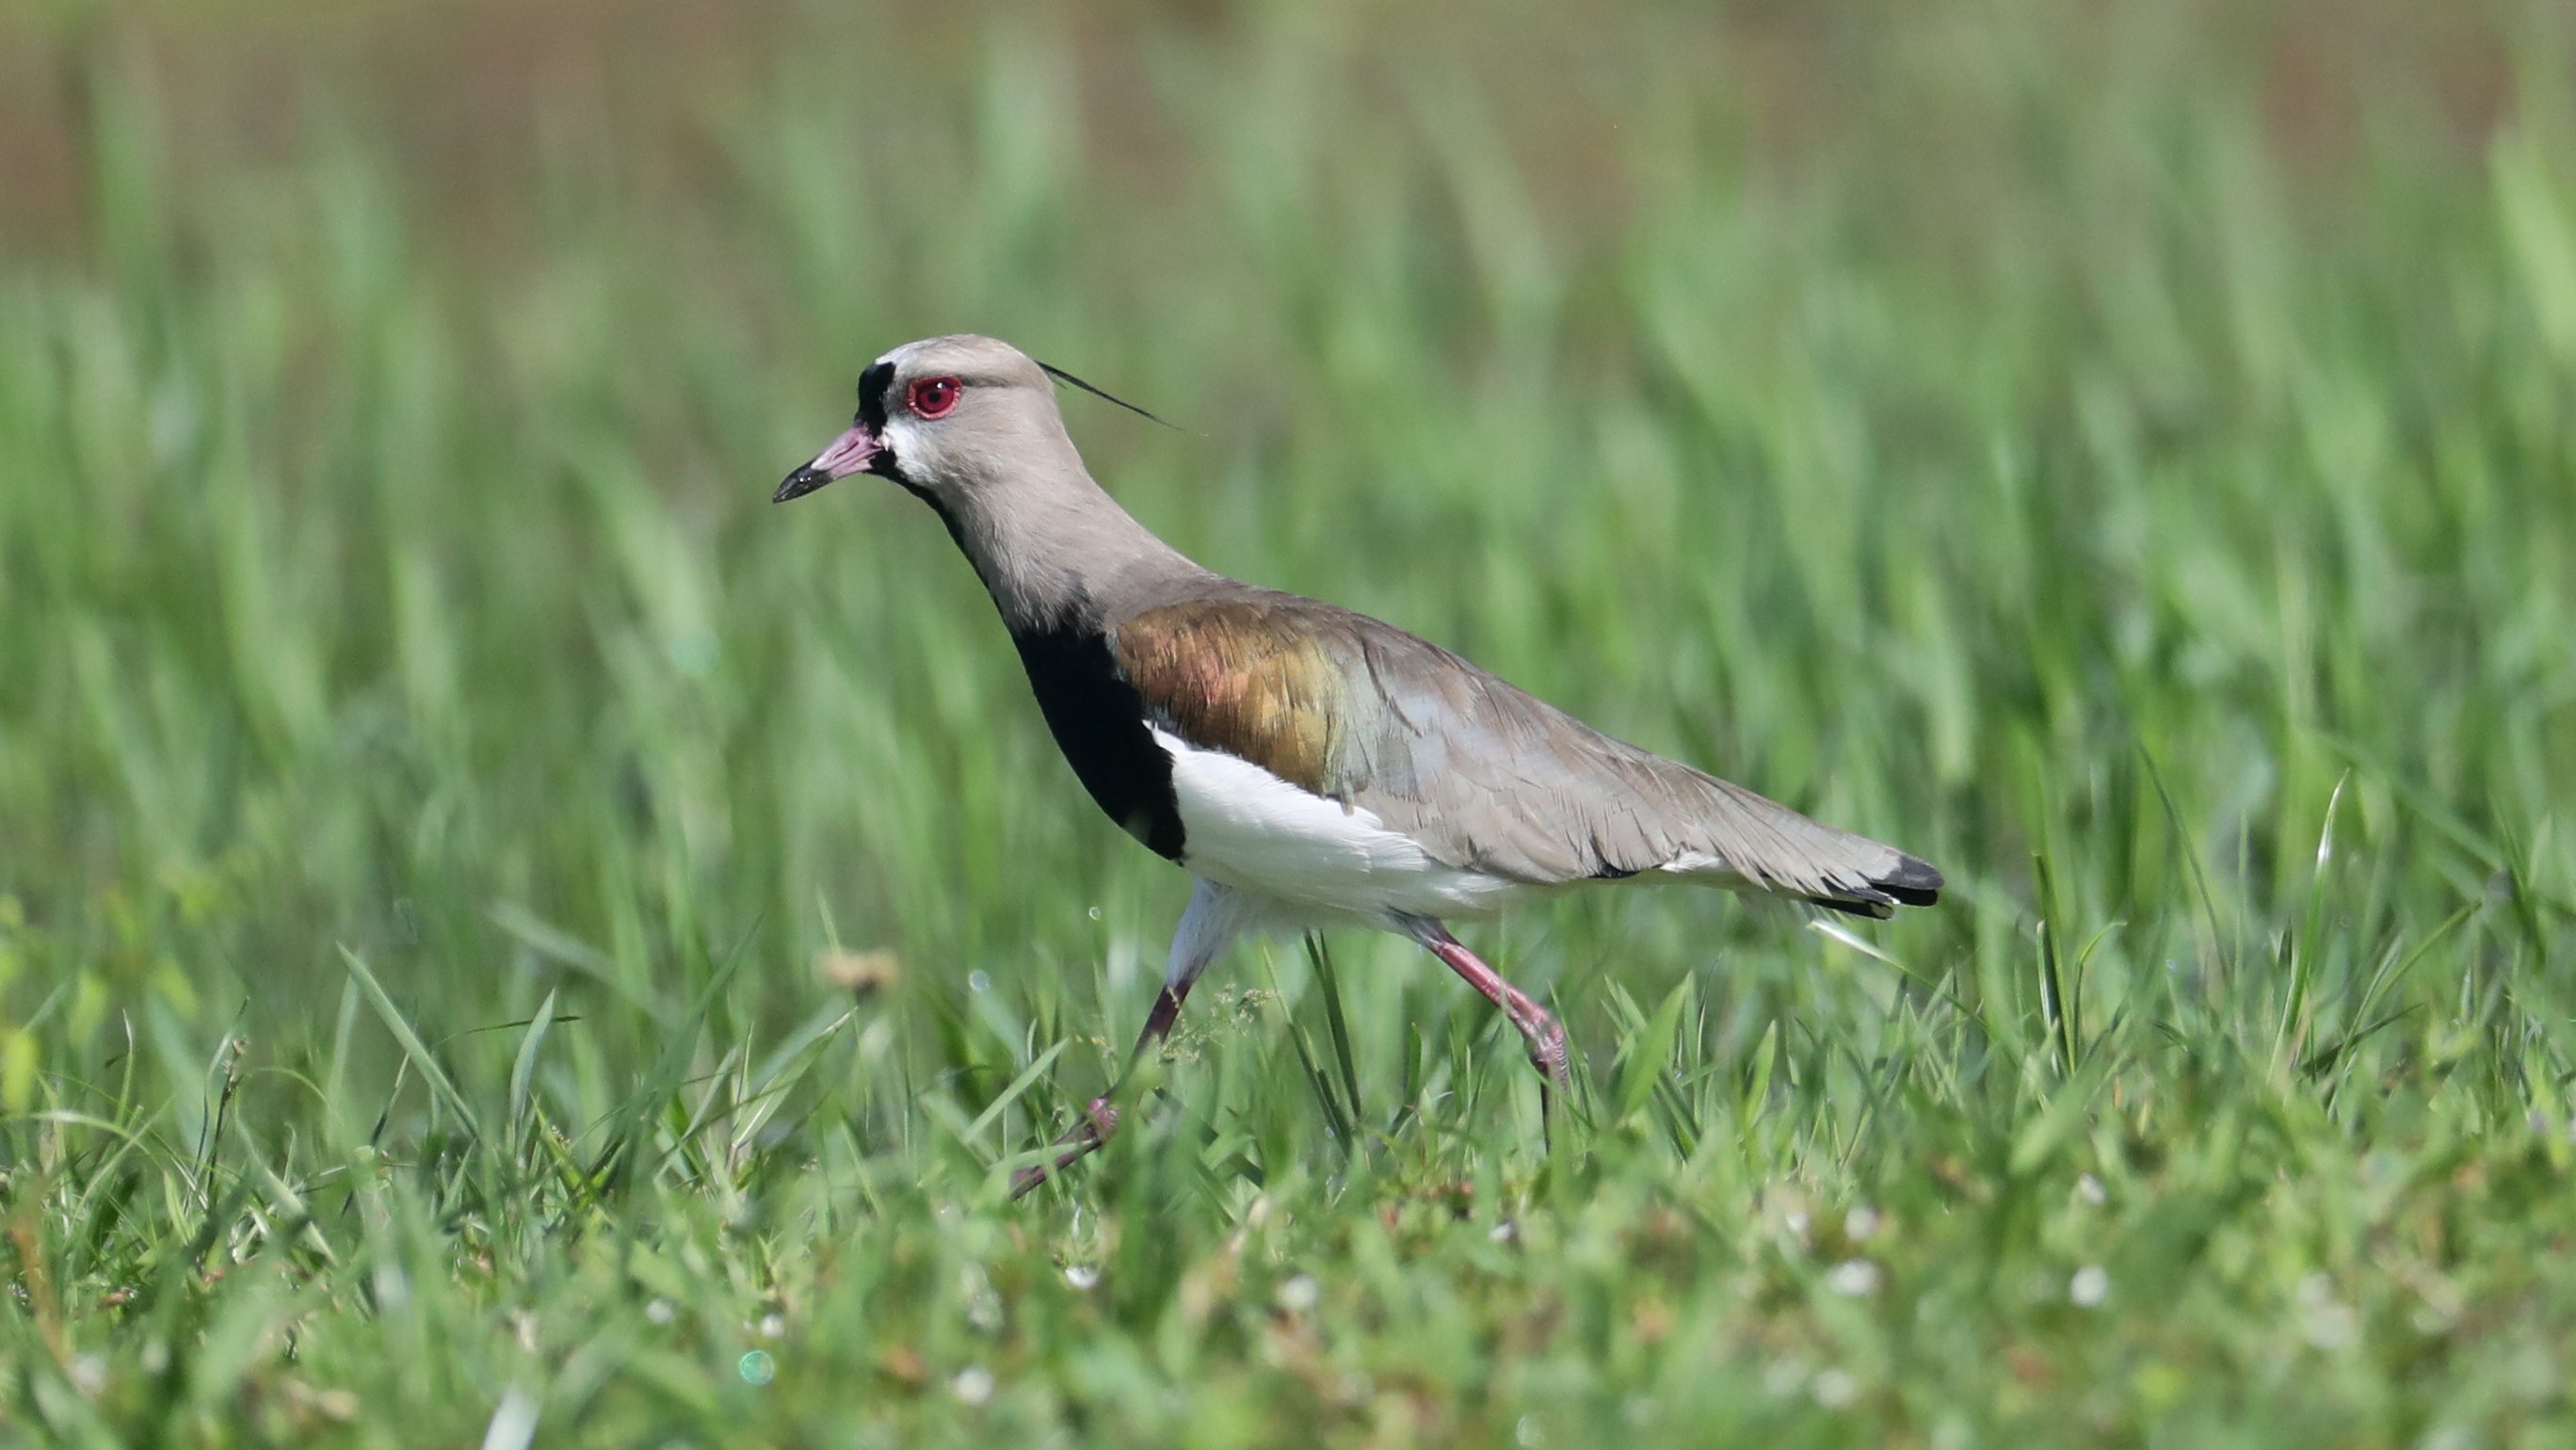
(1256, 832)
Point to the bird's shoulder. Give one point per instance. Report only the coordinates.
(1334, 700)
(1257, 673)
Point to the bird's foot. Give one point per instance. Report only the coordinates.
(1548, 1050)
(1554, 1058)
(1099, 1120)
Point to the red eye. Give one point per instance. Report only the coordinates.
(933, 397)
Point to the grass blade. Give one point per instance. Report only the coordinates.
(413, 1048)
(1322, 959)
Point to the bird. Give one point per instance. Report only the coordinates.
(1309, 766)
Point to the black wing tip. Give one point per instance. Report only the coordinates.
(1914, 882)
(1874, 905)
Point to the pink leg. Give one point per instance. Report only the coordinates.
(1539, 1028)
(1100, 1116)
(1214, 916)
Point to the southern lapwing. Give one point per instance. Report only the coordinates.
(1308, 765)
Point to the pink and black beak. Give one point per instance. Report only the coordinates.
(850, 453)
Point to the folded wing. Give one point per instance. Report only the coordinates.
(1484, 775)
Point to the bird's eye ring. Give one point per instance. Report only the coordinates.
(933, 397)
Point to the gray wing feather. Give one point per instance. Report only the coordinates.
(1489, 777)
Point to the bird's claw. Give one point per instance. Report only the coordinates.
(1099, 1120)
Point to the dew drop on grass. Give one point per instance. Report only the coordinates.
(979, 980)
(973, 1385)
(757, 1368)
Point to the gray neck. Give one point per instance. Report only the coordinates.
(1054, 549)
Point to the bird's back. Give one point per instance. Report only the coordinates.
(1482, 775)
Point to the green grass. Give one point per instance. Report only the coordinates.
(2131, 462)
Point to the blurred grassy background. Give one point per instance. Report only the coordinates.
(2121, 453)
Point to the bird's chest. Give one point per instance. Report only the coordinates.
(1098, 721)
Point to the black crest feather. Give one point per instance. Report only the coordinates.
(1061, 376)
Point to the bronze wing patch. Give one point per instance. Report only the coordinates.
(1241, 677)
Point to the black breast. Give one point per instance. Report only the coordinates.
(1099, 723)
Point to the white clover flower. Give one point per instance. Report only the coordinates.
(1853, 1278)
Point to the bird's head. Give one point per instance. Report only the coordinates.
(945, 417)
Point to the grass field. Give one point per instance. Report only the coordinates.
(506, 938)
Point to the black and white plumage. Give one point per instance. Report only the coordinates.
(1309, 765)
